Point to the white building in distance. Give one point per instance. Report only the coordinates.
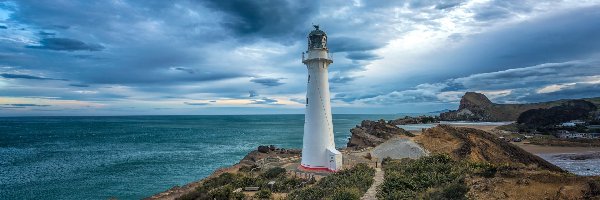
(318, 150)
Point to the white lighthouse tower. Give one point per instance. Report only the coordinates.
(318, 150)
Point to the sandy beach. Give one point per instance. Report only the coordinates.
(538, 149)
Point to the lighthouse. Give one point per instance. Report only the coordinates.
(318, 148)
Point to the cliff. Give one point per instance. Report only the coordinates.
(477, 107)
(372, 133)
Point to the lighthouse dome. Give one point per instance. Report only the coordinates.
(317, 39)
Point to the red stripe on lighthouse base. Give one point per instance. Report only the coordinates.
(315, 169)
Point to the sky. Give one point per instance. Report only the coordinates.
(120, 57)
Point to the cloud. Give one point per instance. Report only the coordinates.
(298, 100)
(79, 85)
(252, 93)
(66, 44)
(537, 75)
(362, 56)
(25, 76)
(3, 27)
(342, 79)
(21, 105)
(346, 44)
(271, 82)
(195, 104)
(264, 100)
(386, 53)
(44, 33)
(190, 71)
(271, 18)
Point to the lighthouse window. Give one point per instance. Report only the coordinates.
(309, 78)
(307, 101)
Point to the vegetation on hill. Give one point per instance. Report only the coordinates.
(431, 177)
(544, 120)
(347, 184)
(478, 146)
(223, 186)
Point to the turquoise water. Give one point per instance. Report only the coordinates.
(136, 156)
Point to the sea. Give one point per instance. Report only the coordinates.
(132, 157)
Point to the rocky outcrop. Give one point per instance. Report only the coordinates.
(477, 107)
(372, 133)
(267, 151)
(415, 120)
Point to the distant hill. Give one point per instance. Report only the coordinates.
(477, 107)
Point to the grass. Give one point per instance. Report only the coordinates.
(346, 184)
(430, 177)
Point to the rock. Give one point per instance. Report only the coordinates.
(414, 120)
(263, 149)
(372, 133)
(477, 107)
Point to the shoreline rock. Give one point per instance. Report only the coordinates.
(372, 133)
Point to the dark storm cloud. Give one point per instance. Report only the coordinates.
(268, 81)
(25, 76)
(269, 18)
(345, 44)
(191, 71)
(533, 76)
(557, 38)
(362, 56)
(44, 33)
(575, 91)
(79, 85)
(66, 44)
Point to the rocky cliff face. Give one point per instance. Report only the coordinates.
(477, 107)
(372, 133)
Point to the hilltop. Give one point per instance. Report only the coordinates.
(477, 107)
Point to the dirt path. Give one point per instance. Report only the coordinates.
(372, 191)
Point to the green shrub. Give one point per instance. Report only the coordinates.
(248, 168)
(409, 179)
(263, 194)
(309, 193)
(274, 172)
(345, 194)
(221, 193)
(238, 196)
(199, 193)
(355, 181)
(484, 169)
(452, 191)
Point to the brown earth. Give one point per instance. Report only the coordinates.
(521, 175)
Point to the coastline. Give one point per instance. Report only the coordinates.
(254, 157)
